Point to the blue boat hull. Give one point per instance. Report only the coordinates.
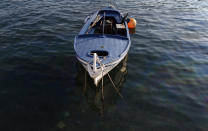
(106, 35)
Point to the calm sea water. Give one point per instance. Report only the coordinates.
(164, 80)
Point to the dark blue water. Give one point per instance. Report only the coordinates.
(164, 80)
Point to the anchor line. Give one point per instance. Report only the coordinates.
(85, 84)
(111, 82)
(102, 85)
(102, 112)
(102, 67)
(116, 88)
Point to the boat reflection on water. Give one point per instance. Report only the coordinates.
(94, 95)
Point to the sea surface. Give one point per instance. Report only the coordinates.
(163, 82)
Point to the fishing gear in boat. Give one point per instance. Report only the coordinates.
(94, 23)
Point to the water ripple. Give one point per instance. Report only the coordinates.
(166, 85)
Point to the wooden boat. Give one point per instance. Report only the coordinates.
(103, 42)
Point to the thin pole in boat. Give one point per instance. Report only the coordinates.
(104, 23)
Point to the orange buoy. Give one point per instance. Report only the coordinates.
(132, 23)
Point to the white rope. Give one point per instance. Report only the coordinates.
(102, 99)
(102, 88)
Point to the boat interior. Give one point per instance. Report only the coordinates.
(108, 22)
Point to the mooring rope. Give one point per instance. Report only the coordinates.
(102, 112)
(102, 66)
(102, 84)
(116, 88)
(85, 84)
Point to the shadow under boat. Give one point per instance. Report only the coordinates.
(94, 94)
